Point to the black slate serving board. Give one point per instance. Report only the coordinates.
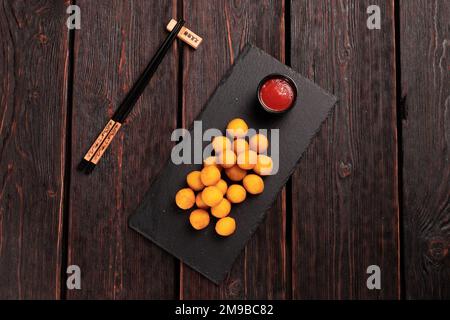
(161, 221)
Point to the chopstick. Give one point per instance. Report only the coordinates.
(102, 142)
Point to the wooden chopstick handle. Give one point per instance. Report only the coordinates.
(99, 140)
(106, 142)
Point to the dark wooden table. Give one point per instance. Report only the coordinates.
(372, 189)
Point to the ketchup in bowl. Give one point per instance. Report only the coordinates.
(277, 93)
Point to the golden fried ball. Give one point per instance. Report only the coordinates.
(209, 161)
(253, 183)
(259, 143)
(247, 160)
(194, 181)
(210, 175)
(221, 144)
(236, 193)
(226, 159)
(222, 185)
(199, 202)
(237, 128)
(185, 198)
(264, 165)
(222, 209)
(212, 196)
(240, 145)
(225, 226)
(235, 173)
(199, 219)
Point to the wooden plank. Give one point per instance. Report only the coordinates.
(116, 41)
(425, 75)
(345, 193)
(33, 56)
(262, 269)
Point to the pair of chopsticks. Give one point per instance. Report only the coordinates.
(102, 142)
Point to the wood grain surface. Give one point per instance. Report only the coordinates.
(231, 24)
(33, 87)
(345, 193)
(425, 87)
(120, 39)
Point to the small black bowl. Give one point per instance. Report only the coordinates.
(276, 76)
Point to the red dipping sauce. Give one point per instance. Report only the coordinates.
(277, 93)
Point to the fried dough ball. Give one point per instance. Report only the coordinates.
(194, 182)
(237, 128)
(222, 209)
(209, 161)
(226, 159)
(210, 175)
(264, 165)
(240, 145)
(212, 196)
(247, 160)
(235, 173)
(222, 185)
(259, 143)
(199, 202)
(220, 144)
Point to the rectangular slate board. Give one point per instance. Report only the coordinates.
(161, 221)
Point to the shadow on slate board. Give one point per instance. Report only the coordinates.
(160, 220)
